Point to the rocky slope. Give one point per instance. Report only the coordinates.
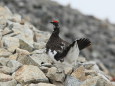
(23, 61)
(74, 25)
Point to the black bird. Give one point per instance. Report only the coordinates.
(60, 50)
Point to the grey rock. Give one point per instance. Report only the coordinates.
(72, 81)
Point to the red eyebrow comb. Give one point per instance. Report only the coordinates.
(55, 21)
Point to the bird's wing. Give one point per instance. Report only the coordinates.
(83, 43)
(61, 55)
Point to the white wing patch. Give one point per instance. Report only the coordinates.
(72, 55)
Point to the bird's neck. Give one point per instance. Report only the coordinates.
(56, 31)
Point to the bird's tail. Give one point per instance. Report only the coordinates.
(83, 43)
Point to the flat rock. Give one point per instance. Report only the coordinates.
(28, 74)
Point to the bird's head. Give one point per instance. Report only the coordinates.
(55, 23)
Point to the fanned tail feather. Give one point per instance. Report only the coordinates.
(83, 43)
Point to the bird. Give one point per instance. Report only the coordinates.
(61, 51)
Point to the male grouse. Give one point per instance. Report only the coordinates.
(60, 50)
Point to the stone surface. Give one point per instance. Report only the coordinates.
(11, 43)
(42, 84)
(72, 81)
(25, 45)
(35, 59)
(39, 45)
(29, 74)
(5, 78)
(9, 83)
(55, 75)
(8, 66)
(79, 73)
(4, 53)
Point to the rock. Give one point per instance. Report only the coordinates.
(79, 73)
(7, 31)
(18, 85)
(39, 45)
(27, 60)
(9, 83)
(44, 69)
(5, 12)
(22, 52)
(72, 81)
(25, 45)
(68, 70)
(24, 33)
(41, 36)
(13, 57)
(8, 66)
(3, 23)
(46, 64)
(11, 43)
(4, 53)
(35, 59)
(42, 84)
(96, 81)
(5, 78)
(40, 51)
(55, 76)
(28, 74)
(16, 18)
